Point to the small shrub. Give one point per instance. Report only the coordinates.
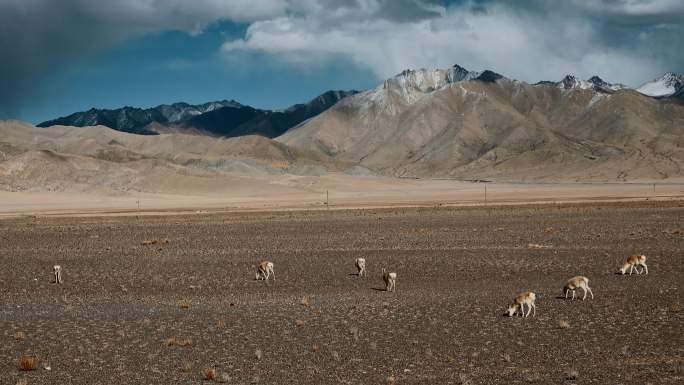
(675, 308)
(147, 322)
(27, 363)
(537, 246)
(258, 354)
(22, 381)
(220, 324)
(315, 348)
(391, 380)
(209, 374)
(464, 380)
(355, 332)
(19, 335)
(571, 374)
(148, 242)
(187, 342)
(563, 324)
(225, 378)
(186, 367)
(305, 301)
(299, 323)
(184, 305)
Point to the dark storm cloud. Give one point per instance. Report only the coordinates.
(37, 37)
(628, 41)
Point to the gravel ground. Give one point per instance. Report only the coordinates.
(130, 313)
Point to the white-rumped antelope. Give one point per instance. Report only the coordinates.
(390, 280)
(265, 270)
(57, 271)
(632, 262)
(578, 282)
(518, 305)
(360, 264)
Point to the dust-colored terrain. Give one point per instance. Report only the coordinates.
(118, 310)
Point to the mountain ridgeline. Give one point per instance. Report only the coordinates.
(226, 118)
(463, 124)
(448, 122)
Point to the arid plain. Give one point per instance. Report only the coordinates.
(161, 313)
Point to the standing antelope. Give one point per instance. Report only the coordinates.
(632, 262)
(361, 266)
(578, 282)
(518, 305)
(57, 271)
(265, 270)
(390, 280)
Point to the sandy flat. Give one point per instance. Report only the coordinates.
(307, 192)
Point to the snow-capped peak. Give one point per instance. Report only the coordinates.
(458, 73)
(593, 83)
(571, 82)
(428, 80)
(665, 85)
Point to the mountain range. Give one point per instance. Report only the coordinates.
(448, 122)
(225, 118)
(457, 123)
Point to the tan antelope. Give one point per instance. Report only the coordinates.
(265, 270)
(578, 282)
(390, 280)
(361, 266)
(518, 305)
(57, 271)
(632, 262)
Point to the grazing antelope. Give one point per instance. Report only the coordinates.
(361, 266)
(518, 305)
(265, 270)
(390, 280)
(57, 271)
(632, 262)
(578, 282)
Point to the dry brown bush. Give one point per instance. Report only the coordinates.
(209, 374)
(171, 341)
(28, 363)
(19, 335)
(563, 324)
(186, 367)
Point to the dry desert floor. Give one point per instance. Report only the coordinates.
(134, 313)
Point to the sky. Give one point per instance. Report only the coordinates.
(59, 57)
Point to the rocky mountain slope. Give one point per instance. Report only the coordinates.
(428, 123)
(91, 158)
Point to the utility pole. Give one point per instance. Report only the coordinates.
(485, 193)
(327, 199)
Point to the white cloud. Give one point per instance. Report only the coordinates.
(518, 44)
